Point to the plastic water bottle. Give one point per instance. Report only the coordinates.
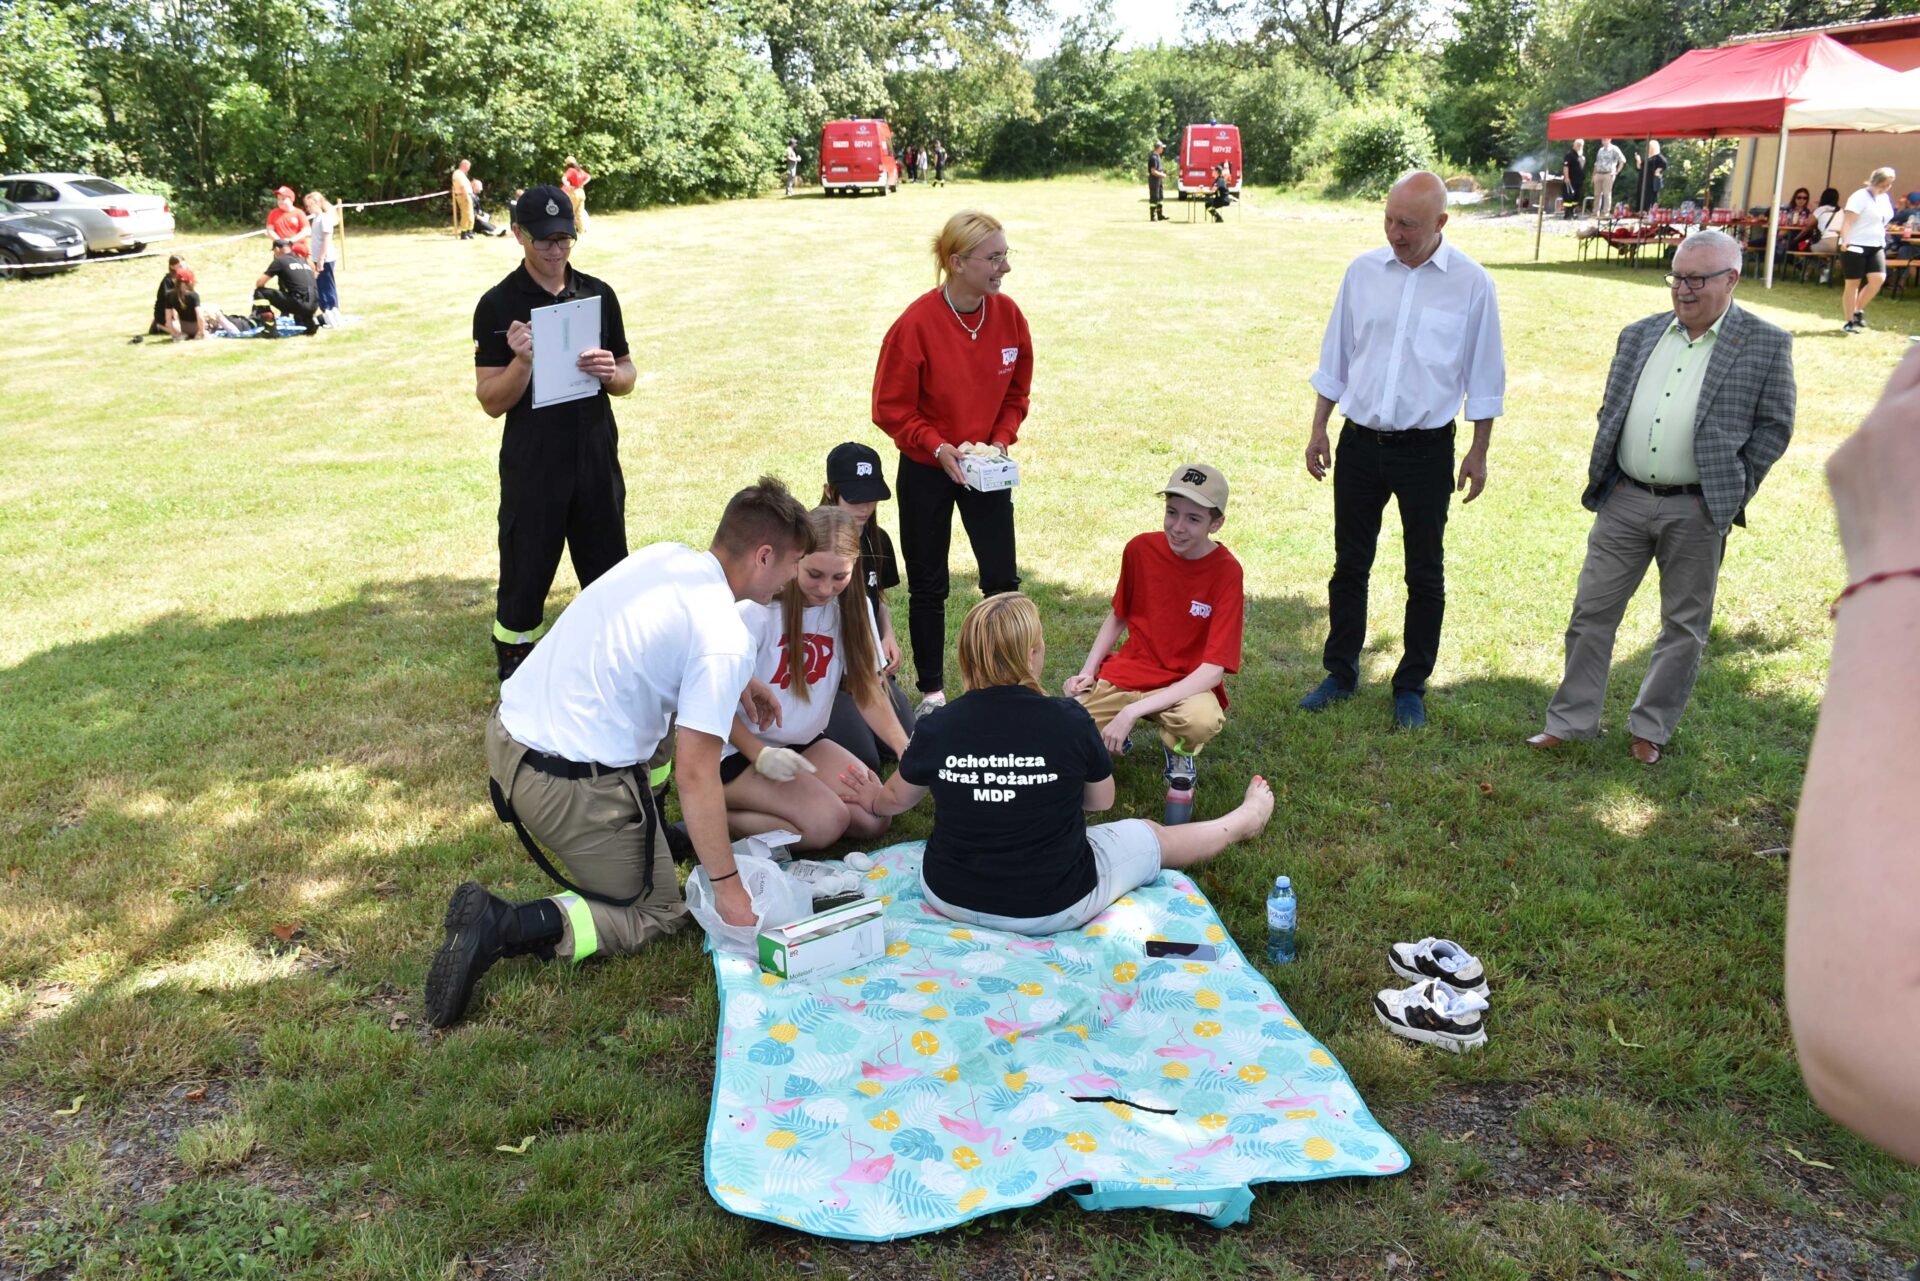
(1282, 913)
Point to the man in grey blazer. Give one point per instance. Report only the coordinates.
(1699, 404)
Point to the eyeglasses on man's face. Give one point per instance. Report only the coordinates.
(1696, 282)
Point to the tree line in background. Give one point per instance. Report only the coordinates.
(218, 101)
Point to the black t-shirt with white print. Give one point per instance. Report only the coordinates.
(879, 570)
(1008, 769)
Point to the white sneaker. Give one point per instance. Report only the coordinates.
(1442, 959)
(929, 703)
(1435, 1014)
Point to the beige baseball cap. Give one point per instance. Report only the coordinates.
(1199, 483)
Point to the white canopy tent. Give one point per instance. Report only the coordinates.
(1891, 105)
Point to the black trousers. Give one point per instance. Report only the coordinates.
(300, 311)
(1156, 189)
(1415, 468)
(849, 728)
(927, 499)
(557, 488)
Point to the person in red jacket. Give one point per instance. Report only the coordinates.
(284, 222)
(954, 370)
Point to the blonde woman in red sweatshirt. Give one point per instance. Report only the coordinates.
(955, 370)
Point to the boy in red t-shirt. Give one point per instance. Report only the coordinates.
(1181, 602)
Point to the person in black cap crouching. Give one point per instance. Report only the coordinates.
(560, 481)
(299, 292)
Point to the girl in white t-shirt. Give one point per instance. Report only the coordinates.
(1863, 247)
(778, 775)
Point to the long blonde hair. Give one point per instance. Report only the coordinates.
(962, 235)
(997, 640)
(835, 533)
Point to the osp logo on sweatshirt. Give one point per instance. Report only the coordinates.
(1008, 355)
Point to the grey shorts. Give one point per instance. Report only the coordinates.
(1126, 855)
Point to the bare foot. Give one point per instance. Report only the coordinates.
(1250, 818)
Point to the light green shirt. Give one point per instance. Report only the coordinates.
(1656, 445)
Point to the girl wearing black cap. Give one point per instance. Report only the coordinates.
(856, 486)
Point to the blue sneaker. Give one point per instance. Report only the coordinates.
(1409, 709)
(1325, 694)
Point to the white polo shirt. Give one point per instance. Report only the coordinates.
(654, 638)
(1404, 347)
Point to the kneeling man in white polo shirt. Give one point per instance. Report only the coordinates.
(654, 644)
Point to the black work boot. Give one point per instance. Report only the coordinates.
(510, 655)
(482, 928)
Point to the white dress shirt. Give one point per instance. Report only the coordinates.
(1404, 347)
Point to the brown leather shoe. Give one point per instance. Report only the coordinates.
(1546, 742)
(1644, 750)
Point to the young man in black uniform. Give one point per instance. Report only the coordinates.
(1156, 183)
(299, 292)
(560, 481)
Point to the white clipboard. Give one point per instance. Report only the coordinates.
(560, 333)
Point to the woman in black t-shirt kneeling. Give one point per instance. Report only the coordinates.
(1013, 773)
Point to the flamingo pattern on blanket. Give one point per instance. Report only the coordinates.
(968, 1071)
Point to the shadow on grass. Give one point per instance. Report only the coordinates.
(176, 792)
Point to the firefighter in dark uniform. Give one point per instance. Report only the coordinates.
(1156, 183)
(560, 480)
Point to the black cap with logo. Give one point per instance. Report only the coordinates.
(544, 211)
(854, 472)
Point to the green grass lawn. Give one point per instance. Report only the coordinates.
(246, 667)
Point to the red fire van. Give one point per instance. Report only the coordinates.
(1201, 148)
(856, 156)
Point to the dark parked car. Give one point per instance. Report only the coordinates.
(39, 245)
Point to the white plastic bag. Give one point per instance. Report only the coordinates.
(778, 899)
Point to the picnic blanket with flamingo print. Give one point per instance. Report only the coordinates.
(969, 1071)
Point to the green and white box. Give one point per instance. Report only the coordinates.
(988, 473)
(826, 942)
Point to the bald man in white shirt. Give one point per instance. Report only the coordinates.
(1415, 332)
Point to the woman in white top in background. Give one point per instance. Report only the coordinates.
(1863, 246)
(325, 225)
(814, 638)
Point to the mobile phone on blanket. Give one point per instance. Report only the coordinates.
(1185, 951)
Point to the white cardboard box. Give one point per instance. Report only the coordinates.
(989, 472)
(771, 845)
(826, 942)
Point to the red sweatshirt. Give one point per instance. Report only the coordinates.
(934, 383)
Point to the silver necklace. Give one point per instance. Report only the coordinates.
(973, 334)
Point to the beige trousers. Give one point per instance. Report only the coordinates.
(1632, 530)
(1185, 728)
(462, 211)
(596, 829)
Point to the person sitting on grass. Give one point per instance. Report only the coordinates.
(1181, 602)
(814, 639)
(164, 295)
(1013, 774)
(856, 485)
(187, 317)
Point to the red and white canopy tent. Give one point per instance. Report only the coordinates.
(1740, 90)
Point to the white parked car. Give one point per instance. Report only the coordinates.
(106, 213)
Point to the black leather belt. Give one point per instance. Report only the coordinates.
(1398, 437)
(561, 767)
(1662, 491)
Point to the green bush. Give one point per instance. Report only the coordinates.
(1280, 107)
(1370, 144)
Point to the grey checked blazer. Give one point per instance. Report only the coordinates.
(1744, 421)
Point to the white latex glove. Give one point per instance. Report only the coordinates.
(782, 764)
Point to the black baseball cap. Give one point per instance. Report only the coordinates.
(544, 211)
(281, 242)
(854, 472)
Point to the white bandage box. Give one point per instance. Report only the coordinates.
(769, 845)
(826, 942)
(989, 472)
